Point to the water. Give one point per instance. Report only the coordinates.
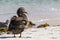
(37, 9)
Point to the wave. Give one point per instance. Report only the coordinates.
(28, 2)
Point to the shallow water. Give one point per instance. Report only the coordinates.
(37, 9)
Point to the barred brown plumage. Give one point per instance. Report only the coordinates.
(17, 24)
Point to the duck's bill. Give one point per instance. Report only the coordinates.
(26, 12)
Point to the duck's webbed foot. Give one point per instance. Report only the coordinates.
(14, 36)
(19, 36)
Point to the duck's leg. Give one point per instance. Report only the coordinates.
(20, 35)
(14, 35)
